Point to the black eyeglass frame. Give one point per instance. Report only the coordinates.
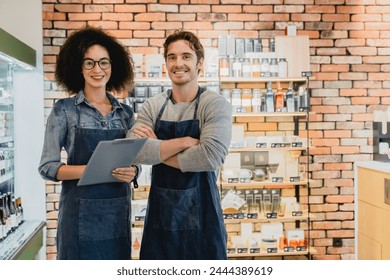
(96, 61)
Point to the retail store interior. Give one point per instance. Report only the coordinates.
(307, 175)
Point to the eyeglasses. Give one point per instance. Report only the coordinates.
(89, 63)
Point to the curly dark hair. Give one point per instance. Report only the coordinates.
(193, 40)
(68, 71)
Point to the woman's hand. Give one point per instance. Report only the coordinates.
(143, 131)
(125, 174)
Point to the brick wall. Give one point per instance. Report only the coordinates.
(350, 58)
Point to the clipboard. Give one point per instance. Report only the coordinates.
(107, 156)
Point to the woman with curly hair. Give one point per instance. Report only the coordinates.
(94, 220)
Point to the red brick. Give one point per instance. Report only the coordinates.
(130, 8)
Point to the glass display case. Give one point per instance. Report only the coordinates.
(18, 238)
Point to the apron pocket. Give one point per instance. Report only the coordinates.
(102, 219)
(175, 209)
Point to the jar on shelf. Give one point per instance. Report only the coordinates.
(256, 68)
(265, 68)
(224, 67)
(282, 70)
(273, 67)
(270, 99)
(236, 100)
(246, 68)
(256, 100)
(246, 100)
(226, 93)
(237, 68)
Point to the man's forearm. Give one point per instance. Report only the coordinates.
(172, 162)
(169, 148)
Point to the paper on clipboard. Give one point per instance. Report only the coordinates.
(107, 156)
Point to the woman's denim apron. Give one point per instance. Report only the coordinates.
(184, 217)
(94, 221)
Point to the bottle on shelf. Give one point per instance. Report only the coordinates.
(2, 163)
(20, 209)
(7, 220)
(236, 100)
(269, 98)
(12, 211)
(303, 99)
(273, 67)
(3, 223)
(256, 100)
(282, 69)
(279, 98)
(236, 68)
(256, 68)
(226, 93)
(265, 68)
(246, 68)
(246, 100)
(290, 100)
(224, 67)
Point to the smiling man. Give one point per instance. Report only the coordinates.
(189, 131)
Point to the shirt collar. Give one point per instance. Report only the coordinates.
(80, 98)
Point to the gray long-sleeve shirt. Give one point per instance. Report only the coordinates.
(215, 118)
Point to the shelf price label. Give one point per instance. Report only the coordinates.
(238, 216)
(252, 215)
(306, 73)
(272, 250)
(297, 213)
(272, 215)
(278, 145)
(228, 216)
(245, 180)
(233, 180)
(254, 250)
(295, 179)
(242, 250)
(288, 249)
(261, 145)
(231, 250)
(296, 144)
(301, 248)
(277, 179)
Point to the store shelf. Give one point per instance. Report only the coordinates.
(279, 252)
(265, 184)
(239, 150)
(262, 79)
(271, 114)
(167, 80)
(289, 218)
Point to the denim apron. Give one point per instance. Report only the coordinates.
(94, 220)
(184, 217)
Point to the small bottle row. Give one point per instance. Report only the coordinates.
(11, 214)
(236, 67)
(271, 239)
(269, 100)
(258, 203)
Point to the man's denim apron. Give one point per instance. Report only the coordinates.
(93, 220)
(184, 217)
